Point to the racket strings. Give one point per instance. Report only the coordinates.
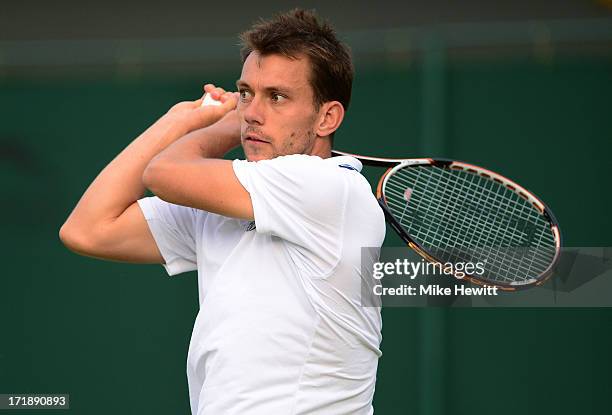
(453, 246)
(449, 193)
(461, 233)
(455, 252)
(461, 216)
(434, 210)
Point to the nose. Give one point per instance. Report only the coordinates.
(253, 111)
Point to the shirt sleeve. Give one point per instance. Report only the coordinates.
(172, 227)
(300, 199)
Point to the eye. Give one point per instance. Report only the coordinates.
(277, 98)
(245, 95)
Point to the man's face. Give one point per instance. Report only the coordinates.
(276, 107)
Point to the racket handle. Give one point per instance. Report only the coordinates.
(209, 100)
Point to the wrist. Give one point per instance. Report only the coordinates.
(189, 115)
(183, 123)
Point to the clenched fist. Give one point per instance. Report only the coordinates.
(194, 116)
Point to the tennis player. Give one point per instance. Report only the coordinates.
(275, 238)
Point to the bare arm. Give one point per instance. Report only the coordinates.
(187, 173)
(107, 222)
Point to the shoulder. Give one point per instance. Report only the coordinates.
(300, 183)
(296, 170)
(290, 163)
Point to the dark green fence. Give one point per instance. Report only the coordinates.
(115, 336)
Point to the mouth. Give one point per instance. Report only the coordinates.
(254, 138)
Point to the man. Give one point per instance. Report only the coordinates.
(275, 238)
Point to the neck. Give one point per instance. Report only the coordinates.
(321, 147)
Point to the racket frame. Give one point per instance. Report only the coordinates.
(394, 165)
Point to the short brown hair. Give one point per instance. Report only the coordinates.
(300, 33)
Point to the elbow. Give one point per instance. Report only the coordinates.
(72, 238)
(77, 240)
(150, 175)
(154, 174)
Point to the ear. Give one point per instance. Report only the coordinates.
(331, 115)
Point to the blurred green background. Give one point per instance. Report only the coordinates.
(531, 100)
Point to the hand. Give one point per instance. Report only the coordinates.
(193, 116)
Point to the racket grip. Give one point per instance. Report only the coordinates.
(209, 100)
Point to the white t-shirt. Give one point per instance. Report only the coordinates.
(280, 329)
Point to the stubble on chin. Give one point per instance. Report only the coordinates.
(293, 145)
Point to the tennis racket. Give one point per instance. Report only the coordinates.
(449, 212)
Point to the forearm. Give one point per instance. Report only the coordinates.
(210, 142)
(164, 175)
(120, 183)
